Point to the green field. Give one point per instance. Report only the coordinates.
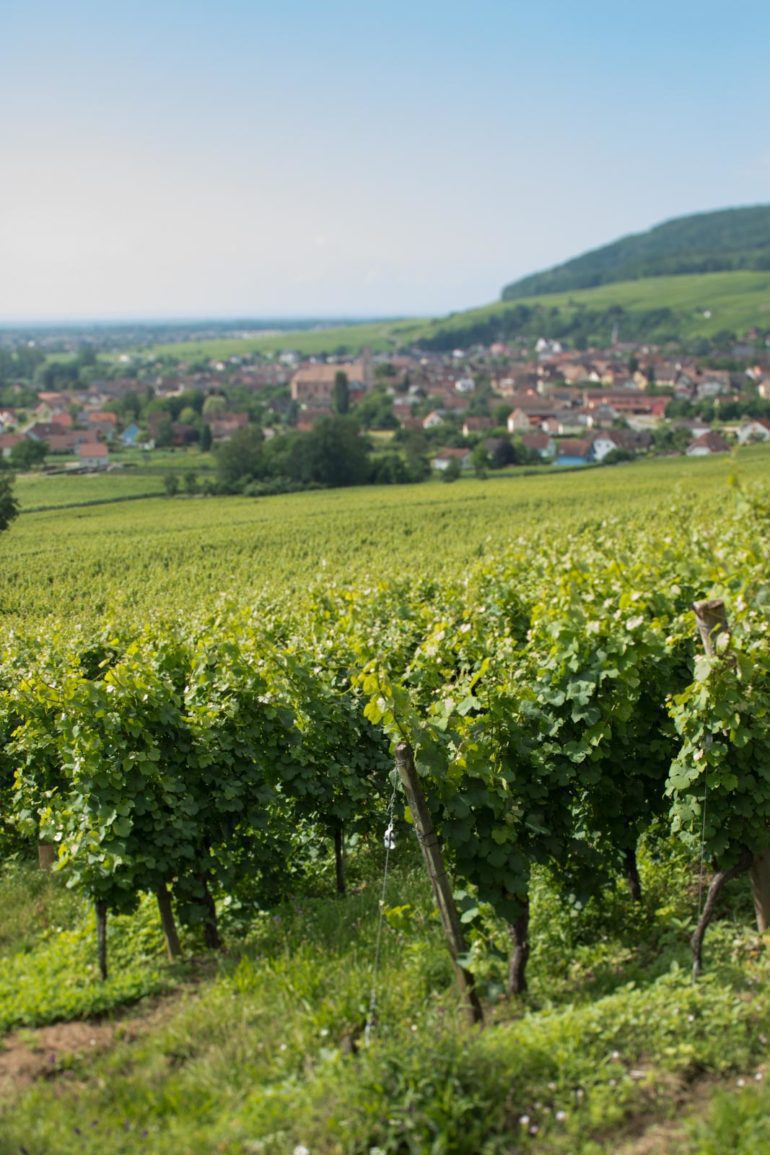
(378, 336)
(165, 554)
(736, 301)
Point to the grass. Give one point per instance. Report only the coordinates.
(140, 475)
(736, 301)
(378, 336)
(265, 1050)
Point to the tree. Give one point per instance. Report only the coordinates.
(171, 484)
(480, 459)
(214, 405)
(335, 454)
(341, 393)
(9, 506)
(452, 471)
(206, 439)
(241, 456)
(375, 410)
(27, 454)
(164, 433)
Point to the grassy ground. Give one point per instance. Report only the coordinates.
(378, 336)
(263, 1048)
(735, 301)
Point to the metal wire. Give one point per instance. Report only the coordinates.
(702, 849)
(389, 841)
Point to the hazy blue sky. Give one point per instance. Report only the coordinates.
(186, 157)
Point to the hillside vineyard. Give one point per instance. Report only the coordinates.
(555, 698)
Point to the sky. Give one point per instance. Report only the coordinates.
(185, 158)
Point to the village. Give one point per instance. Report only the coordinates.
(470, 410)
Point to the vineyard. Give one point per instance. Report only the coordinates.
(202, 741)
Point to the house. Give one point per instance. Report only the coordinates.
(606, 441)
(130, 434)
(602, 417)
(573, 451)
(621, 400)
(309, 418)
(518, 422)
(44, 430)
(601, 446)
(410, 422)
(572, 422)
(444, 456)
(540, 443)
(315, 382)
(578, 372)
(758, 429)
(7, 442)
(706, 444)
(93, 455)
(473, 425)
(713, 383)
(101, 424)
(433, 420)
(224, 425)
(454, 402)
(68, 442)
(50, 406)
(533, 403)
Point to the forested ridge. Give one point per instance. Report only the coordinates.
(722, 241)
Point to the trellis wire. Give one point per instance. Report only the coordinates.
(389, 842)
(702, 850)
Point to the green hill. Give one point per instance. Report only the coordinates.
(727, 240)
(681, 309)
(705, 276)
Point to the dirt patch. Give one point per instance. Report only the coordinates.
(651, 1135)
(44, 1052)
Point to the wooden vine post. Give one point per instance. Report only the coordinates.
(442, 890)
(46, 855)
(101, 937)
(170, 933)
(711, 618)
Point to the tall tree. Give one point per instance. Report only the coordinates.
(341, 393)
(9, 506)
